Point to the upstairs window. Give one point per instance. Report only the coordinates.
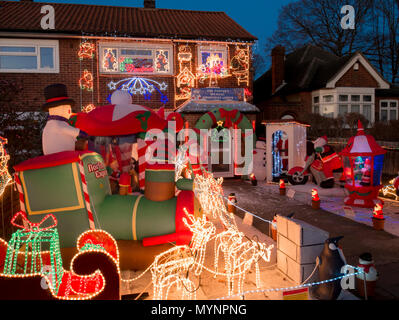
(29, 56)
(129, 58)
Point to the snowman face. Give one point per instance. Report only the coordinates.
(63, 111)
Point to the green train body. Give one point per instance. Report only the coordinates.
(53, 184)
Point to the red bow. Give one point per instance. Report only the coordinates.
(228, 115)
(31, 226)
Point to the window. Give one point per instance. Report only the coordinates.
(212, 60)
(355, 98)
(367, 111)
(140, 58)
(388, 110)
(367, 98)
(315, 99)
(342, 109)
(29, 55)
(343, 97)
(329, 98)
(355, 108)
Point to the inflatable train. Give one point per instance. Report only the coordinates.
(74, 186)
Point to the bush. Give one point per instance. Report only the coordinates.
(21, 129)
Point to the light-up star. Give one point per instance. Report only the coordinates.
(220, 123)
(163, 86)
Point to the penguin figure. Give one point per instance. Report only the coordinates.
(331, 262)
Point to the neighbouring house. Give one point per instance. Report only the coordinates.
(186, 61)
(312, 80)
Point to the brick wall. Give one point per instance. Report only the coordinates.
(357, 78)
(71, 69)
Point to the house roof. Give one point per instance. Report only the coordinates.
(25, 16)
(306, 69)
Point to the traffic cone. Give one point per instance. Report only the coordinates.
(315, 199)
(282, 187)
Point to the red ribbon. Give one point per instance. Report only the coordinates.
(228, 116)
(56, 99)
(31, 226)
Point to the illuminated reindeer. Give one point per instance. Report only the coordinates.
(173, 266)
(239, 256)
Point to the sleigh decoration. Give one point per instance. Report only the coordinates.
(31, 265)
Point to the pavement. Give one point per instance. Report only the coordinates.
(264, 200)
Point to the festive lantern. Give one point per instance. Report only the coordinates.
(315, 199)
(378, 217)
(368, 277)
(282, 187)
(363, 159)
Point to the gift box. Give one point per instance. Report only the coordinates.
(35, 249)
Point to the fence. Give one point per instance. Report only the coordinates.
(391, 159)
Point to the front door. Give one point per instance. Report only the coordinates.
(221, 153)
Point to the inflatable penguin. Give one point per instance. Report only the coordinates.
(331, 262)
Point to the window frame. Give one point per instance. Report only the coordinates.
(37, 44)
(388, 109)
(213, 48)
(154, 47)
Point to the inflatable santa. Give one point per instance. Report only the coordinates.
(329, 162)
(57, 134)
(396, 184)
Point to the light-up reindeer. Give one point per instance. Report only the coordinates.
(173, 267)
(240, 254)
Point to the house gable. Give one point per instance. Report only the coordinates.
(364, 76)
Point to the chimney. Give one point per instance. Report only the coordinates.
(278, 56)
(149, 4)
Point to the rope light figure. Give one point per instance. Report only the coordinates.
(5, 177)
(142, 86)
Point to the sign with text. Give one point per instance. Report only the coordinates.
(291, 193)
(217, 94)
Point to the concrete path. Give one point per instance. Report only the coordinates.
(264, 200)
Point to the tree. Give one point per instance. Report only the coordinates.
(318, 22)
(21, 129)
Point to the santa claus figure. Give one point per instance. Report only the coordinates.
(57, 134)
(366, 173)
(330, 161)
(282, 147)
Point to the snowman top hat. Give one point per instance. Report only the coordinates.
(56, 95)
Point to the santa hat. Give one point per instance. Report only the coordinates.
(360, 129)
(323, 140)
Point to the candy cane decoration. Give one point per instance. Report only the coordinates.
(86, 195)
(21, 193)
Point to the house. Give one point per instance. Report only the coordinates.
(312, 80)
(161, 56)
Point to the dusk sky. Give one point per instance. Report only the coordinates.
(259, 17)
